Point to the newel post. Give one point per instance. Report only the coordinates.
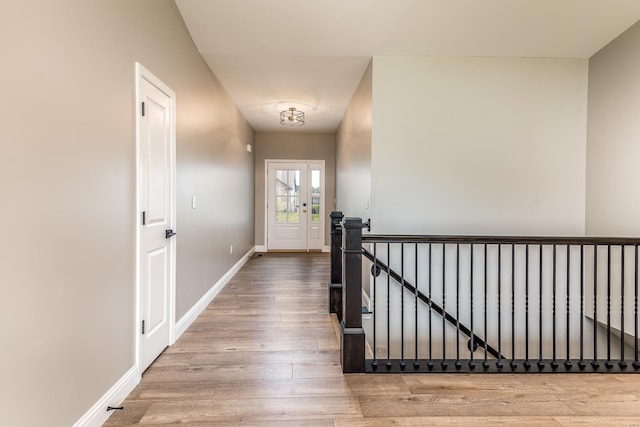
(352, 333)
(335, 282)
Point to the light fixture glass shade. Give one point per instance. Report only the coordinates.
(292, 117)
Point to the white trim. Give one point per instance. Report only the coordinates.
(136, 220)
(142, 73)
(366, 302)
(323, 196)
(326, 248)
(265, 212)
(97, 415)
(191, 315)
(261, 248)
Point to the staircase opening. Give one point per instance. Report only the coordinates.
(485, 303)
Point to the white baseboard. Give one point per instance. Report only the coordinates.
(97, 415)
(193, 313)
(264, 249)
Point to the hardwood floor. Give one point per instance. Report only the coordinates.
(265, 353)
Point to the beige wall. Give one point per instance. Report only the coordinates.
(299, 146)
(353, 158)
(478, 146)
(67, 183)
(213, 165)
(613, 135)
(353, 153)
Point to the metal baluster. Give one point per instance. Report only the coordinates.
(458, 364)
(581, 363)
(636, 362)
(444, 308)
(430, 363)
(554, 362)
(485, 362)
(416, 364)
(513, 363)
(608, 362)
(388, 362)
(527, 364)
(402, 362)
(499, 362)
(374, 363)
(540, 356)
(594, 363)
(472, 346)
(622, 363)
(567, 362)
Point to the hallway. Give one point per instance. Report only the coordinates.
(265, 353)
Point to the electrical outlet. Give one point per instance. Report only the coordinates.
(230, 249)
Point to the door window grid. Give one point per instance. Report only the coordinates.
(287, 193)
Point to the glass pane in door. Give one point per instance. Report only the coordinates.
(287, 195)
(315, 195)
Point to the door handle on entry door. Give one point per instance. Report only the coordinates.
(168, 233)
(304, 205)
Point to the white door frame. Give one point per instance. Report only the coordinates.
(266, 196)
(142, 73)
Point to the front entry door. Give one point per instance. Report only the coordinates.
(156, 172)
(295, 208)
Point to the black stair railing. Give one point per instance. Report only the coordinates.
(528, 304)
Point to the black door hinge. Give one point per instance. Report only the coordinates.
(143, 327)
(144, 217)
(142, 108)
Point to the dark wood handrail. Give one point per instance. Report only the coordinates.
(494, 240)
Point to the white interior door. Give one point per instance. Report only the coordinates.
(295, 205)
(156, 177)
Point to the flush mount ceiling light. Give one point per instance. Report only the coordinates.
(292, 117)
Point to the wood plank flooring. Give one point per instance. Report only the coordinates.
(265, 353)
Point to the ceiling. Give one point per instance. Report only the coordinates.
(270, 55)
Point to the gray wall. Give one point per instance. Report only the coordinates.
(299, 146)
(613, 136)
(353, 152)
(478, 145)
(466, 145)
(67, 183)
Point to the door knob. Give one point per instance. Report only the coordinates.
(168, 233)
